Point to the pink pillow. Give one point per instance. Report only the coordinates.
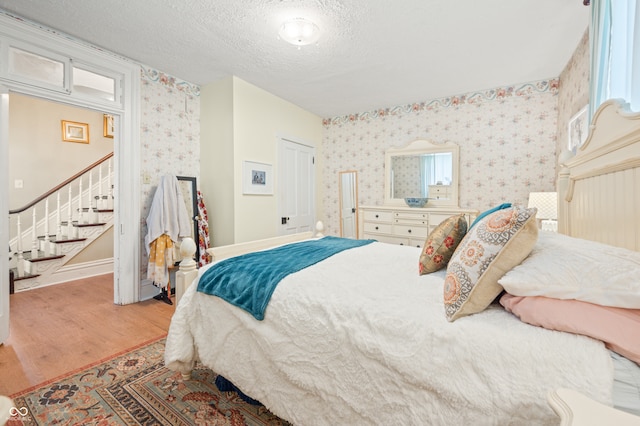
(618, 328)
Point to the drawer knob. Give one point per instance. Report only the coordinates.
(376, 228)
(377, 216)
(409, 231)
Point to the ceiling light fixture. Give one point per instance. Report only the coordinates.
(299, 32)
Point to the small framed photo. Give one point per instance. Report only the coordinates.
(578, 129)
(257, 178)
(75, 132)
(107, 126)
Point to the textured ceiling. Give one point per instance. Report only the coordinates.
(371, 54)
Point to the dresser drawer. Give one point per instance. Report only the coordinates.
(391, 240)
(436, 219)
(400, 216)
(417, 242)
(378, 216)
(377, 227)
(411, 231)
(439, 191)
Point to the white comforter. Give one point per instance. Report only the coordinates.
(360, 338)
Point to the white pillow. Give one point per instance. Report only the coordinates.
(563, 267)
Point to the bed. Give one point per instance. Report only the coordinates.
(365, 336)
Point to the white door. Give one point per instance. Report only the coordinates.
(4, 217)
(296, 187)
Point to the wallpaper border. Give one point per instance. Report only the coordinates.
(541, 86)
(156, 76)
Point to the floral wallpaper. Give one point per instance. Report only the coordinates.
(169, 137)
(573, 94)
(507, 139)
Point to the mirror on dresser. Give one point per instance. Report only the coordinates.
(422, 169)
(348, 185)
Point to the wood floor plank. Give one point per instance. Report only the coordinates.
(64, 327)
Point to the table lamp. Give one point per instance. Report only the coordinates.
(547, 204)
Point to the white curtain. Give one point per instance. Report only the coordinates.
(615, 52)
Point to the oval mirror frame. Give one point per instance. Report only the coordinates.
(420, 147)
(348, 197)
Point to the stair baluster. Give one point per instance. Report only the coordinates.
(20, 261)
(34, 236)
(91, 212)
(70, 233)
(109, 188)
(47, 245)
(80, 211)
(58, 221)
(99, 205)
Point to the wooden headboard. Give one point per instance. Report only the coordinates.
(599, 188)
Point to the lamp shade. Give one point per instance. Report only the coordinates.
(547, 204)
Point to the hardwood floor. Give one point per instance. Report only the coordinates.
(60, 328)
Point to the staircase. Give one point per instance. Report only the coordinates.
(82, 211)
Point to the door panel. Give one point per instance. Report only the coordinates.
(296, 202)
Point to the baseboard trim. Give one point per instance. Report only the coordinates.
(148, 290)
(83, 270)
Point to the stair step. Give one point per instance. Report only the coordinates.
(63, 239)
(82, 225)
(41, 256)
(25, 277)
(87, 225)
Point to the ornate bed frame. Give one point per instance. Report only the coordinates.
(599, 187)
(599, 200)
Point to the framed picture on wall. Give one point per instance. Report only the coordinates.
(75, 132)
(257, 178)
(578, 129)
(107, 126)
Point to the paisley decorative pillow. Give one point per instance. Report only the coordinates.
(441, 244)
(494, 245)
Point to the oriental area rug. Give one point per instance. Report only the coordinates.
(134, 388)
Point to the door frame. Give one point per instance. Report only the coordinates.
(4, 207)
(127, 242)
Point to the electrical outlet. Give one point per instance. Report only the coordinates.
(146, 178)
(18, 184)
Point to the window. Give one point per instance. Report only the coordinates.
(615, 52)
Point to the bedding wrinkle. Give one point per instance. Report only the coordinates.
(374, 344)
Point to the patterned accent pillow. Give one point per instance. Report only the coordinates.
(492, 247)
(441, 244)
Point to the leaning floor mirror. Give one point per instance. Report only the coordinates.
(348, 184)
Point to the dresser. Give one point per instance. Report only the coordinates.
(405, 225)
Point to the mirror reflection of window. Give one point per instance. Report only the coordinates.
(413, 174)
(348, 204)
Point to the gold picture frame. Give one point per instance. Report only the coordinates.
(75, 132)
(107, 126)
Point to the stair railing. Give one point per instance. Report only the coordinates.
(64, 216)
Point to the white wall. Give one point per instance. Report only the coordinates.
(258, 118)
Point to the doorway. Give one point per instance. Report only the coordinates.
(40, 159)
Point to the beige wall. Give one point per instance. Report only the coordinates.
(258, 117)
(100, 248)
(216, 159)
(39, 157)
(37, 154)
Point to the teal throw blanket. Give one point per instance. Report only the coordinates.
(248, 281)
